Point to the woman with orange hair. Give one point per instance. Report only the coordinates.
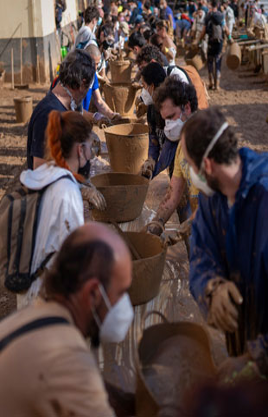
(69, 143)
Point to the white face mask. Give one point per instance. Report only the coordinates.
(200, 183)
(118, 319)
(173, 128)
(199, 179)
(94, 28)
(146, 97)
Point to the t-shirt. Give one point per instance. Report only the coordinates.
(87, 99)
(38, 124)
(169, 12)
(84, 36)
(181, 170)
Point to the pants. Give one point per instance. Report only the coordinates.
(214, 58)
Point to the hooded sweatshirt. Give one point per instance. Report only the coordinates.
(60, 212)
(232, 243)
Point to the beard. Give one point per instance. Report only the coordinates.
(213, 183)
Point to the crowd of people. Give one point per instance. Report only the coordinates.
(79, 274)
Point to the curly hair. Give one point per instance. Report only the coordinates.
(62, 132)
(179, 92)
(149, 53)
(77, 68)
(199, 131)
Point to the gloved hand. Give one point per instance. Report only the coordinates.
(147, 168)
(155, 227)
(100, 120)
(95, 145)
(141, 110)
(185, 228)
(93, 196)
(116, 116)
(223, 313)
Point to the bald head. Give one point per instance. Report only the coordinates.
(93, 51)
(92, 250)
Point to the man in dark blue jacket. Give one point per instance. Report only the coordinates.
(229, 246)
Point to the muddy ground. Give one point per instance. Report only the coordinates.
(243, 98)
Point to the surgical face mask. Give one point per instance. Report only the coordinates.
(99, 21)
(73, 105)
(117, 321)
(146, 97)
(201, 183)
(199, 180)
(173, 128)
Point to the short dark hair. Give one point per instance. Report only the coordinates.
(76, 263)
(149, 53)
(179, 92)
(162, 24)
(136, 39)
(214, 3)
(199, 131)
(77, 67)
(91, 13)
(154, 74)
(156, 40)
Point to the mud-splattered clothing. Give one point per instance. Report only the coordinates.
(232, 243)
(161, 150)
(49, 372)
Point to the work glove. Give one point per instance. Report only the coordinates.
(147, 168)
(141, 110)
(155, 227)
(183, 231)
(223, 312)
(93, 196)
(95, 145)
(100, 120)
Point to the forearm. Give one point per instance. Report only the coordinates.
(103, 108)
(171, 200)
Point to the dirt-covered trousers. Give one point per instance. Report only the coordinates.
(215, 56)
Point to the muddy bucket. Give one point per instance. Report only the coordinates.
(120, 71)
(127, 147)
(194, 59)
(172, 359)
(147, 271)
(233, 59)
(23, 109)
(121, 97)
(124, 194)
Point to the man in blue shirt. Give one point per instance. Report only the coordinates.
(168, 13)
(229, 245)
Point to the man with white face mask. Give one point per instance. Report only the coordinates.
(87, 32)
(229, 246)
(176, 102)
(86, 296)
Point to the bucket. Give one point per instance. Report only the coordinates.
(127, 147)
(121, 98)
(23, 109)
(120, 71)
(233, 59)
(124, 194)
(194, 59)
(147, 272)
(172, 359)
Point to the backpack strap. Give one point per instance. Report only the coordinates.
(170, 68)
(30, 327)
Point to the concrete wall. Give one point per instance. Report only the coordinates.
(35, 22)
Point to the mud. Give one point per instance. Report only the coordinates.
(120, 71)
(121, 98)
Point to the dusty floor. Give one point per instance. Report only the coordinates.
(243, 98)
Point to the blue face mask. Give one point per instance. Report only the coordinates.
(99, 21)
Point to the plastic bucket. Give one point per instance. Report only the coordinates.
(127, 147)
(121, 98)
(23, 109)
(124, 194)
(147, 272)
(120, 71)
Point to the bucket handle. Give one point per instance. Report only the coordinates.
(150, 313)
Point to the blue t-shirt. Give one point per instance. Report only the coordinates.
(168, 12)
(87, 99)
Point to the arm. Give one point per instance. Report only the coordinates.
(203, 33)
(101, 105)
(172, 198)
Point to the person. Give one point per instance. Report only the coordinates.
(87, 32)
(161, 151)
(229, 17)
(150, 53)
(176, 102)
(214, 26)
(69, 150)
(229, 243)
(86, 297)
(75, 77)
(168, 46)
(168, 13)
(183, 27)
(136, 41)
(199, 20)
